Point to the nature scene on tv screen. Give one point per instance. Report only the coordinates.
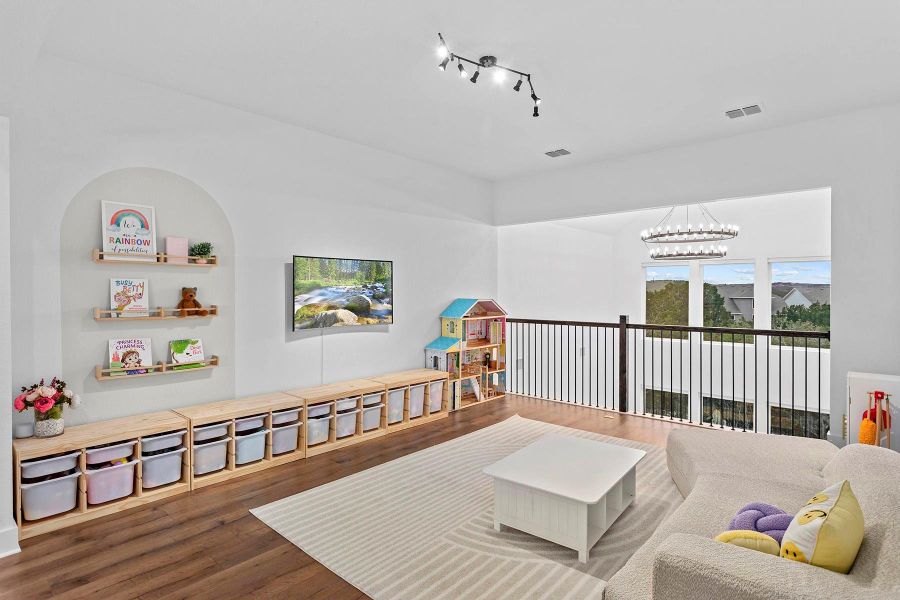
(339, 292)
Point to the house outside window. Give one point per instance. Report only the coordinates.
(728, 298)
(801, 300)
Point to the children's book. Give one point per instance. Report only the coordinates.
(130, 356)
(186, 354)
(129, 297)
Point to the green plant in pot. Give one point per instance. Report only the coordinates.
(201, 251)
(48, 402)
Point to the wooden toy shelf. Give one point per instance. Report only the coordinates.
(229, 410)
(407, 379)
(159, 313)
(80, 438)
(160, 368)
(161, 258)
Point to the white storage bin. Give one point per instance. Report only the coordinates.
(372, 417)
(249, 448)
(104, 454)
(372, 399)
(208, 432)
(162, 441)
(110, 483)
(346, 424)
(284, 438)
(317, 429)
(395, 405)
(249, 423)
(290, 415)
(435, 396)
(416, 400)
(210, 456)
(318, 410)
(346, 404)
(49, 466)
(51, 497)
(161, 469)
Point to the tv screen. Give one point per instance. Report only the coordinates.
(342, 292)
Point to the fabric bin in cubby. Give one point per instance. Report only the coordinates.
(345, 423)
(210, 455)
(249, 447)
(108, 453)
(50, 497)
(284, 438)
(416, 400)
(372, 417)
(49, 466)
(110, 483)
(435, 396)
(395, 405)
(160, 469)
(317, 428)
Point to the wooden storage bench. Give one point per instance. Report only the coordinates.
(78, 438)
(406, 380)
(226, 412)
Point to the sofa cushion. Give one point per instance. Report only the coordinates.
(859, 461)
(776, 458)
(706, 512)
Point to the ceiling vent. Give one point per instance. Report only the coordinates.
(559, 152)
(746, 111)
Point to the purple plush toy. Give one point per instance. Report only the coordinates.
(762, 517)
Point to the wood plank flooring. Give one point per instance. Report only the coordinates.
(205, 544)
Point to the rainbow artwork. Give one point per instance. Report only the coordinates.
(129, 229)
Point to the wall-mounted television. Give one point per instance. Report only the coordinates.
(342, 292)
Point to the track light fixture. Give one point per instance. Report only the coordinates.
(486, 62)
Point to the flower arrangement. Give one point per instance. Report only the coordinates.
(48, 402)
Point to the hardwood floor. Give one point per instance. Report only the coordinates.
(205, 544)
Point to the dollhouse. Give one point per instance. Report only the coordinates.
(472, 349)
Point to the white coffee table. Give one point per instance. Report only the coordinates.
(563, 489)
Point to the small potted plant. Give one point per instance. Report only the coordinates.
(201, 251)
(48, 402)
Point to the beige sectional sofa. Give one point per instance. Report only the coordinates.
(718, 472)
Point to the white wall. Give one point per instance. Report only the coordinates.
(856, 155)
(9, 534)
(283, 189)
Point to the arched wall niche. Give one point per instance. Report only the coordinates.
(182, 209)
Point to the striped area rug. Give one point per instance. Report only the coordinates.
(421, 527)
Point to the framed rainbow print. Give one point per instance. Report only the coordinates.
(128, 229)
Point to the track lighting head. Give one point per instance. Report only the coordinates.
(442, 50)
(535, 113)
(536, 99)
(443, 65)
(518, 85)
(462, 70)
(475, 76)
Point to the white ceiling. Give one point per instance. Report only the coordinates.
(617, 77)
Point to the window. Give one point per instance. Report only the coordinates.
(796, 421)
(666, 404)
(728, 295)
(801, 300)
(721, 412)
(667, 295)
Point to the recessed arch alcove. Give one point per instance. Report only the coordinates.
(182, 209)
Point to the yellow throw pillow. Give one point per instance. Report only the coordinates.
(828, 531)
(752, 540)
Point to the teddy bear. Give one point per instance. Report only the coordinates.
(189, 300)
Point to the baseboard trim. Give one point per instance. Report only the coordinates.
(9, 541)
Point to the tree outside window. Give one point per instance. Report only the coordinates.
(667, 297)
(801, 300)
(728, 299)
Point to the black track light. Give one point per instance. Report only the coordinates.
(443, 65)
(475, 76)
(462, 70)
(536, 99)
(535, 113)
(518, 85)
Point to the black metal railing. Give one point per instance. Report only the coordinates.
(764, 380)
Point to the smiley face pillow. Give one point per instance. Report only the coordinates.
(828, 531)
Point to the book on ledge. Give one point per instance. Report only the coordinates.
(129, 297)
(186, 354)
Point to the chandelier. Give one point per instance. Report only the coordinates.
(487, 63)
(686, 241)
